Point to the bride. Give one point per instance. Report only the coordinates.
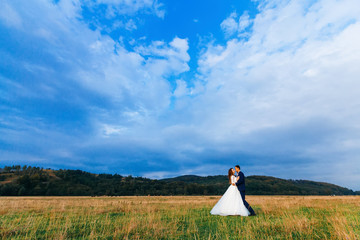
(231, 202)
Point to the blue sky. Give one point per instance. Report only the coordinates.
(166, 88)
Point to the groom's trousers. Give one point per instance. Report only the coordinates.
(242, 193)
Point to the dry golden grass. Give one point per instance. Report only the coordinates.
(186, 217)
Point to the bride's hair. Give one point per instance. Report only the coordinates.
(230, 173)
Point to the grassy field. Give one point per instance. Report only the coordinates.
(279, 217)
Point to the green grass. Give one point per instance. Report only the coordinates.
(279, 217)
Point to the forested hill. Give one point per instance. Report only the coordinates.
(34, 181)
(265, 185)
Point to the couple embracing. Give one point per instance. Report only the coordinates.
(233, 201)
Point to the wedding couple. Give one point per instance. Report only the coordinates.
(233, 201)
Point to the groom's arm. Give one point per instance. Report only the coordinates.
(241, 179)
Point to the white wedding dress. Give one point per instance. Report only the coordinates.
(230, 203)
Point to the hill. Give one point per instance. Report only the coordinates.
(265, 185)
(35, 181)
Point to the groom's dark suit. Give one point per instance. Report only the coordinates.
(241, 186)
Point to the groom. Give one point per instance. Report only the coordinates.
(241, 186)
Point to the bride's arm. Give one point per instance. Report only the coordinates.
(233, 180)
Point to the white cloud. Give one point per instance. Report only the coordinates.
(165, 59)
(9, 16)
(289, 92)
(181, 88)
(130, 25)
(70, 8)
(100, 64)
(118, 7)
(132, 83)
(118, 14)
(244, 21)
(299, 64)
(230, 25)
(234, 24)
(111, 130)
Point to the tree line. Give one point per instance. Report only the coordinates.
(25, 180)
